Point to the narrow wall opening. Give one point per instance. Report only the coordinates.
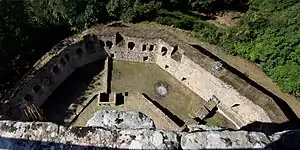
(164, 51)
(166, 66)
(131, 45)
(144, 48)
(119, 38)
(109, 44)
(145, 58)
(151, 48)
(176, 55)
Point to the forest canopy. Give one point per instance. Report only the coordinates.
(268, 33)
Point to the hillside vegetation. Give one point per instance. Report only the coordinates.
(268, 33)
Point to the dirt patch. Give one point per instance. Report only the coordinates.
(161, 89)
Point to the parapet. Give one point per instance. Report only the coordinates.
(45, 135)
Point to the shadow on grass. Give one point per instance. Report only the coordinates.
(56, 108)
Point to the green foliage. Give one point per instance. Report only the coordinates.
(180, 20)
(76, 14)
(217, 5)
(132, 10)
(287, 77)
(270, 36)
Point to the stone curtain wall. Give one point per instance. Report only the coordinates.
(206, 85)
(135, 49)
(53, 71)
(123, 44)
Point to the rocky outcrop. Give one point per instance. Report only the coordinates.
(45, 135)
(121, 120)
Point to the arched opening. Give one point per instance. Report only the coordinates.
(164, 51)
(67, 57)
(119, 38)
(56, 69)
(176, 55)
(28, 97)
(109, 44)
(79, 51)
(131, 45)
(183, 79)
(37, 88)
(101, 44)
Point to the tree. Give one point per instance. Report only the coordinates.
(76, 14)
(133, 10)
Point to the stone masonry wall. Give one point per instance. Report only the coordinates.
(45, 135)
(40, 84)
(206, 85)
(135, 49)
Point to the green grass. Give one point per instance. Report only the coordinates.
(140, 77)
(219, 120)
(135, 77)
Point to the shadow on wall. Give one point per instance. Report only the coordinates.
(285, 108)
(271, 128)
(289, 140)
(56, 107)
(168, 113)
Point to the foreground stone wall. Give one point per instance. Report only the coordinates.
(44, 135)
(154, 46)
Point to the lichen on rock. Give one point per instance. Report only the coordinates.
(46, 135)
(121, 120)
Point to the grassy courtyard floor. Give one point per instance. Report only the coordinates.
(142, 77)
(129, 77)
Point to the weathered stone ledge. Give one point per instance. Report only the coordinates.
(29, 135)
